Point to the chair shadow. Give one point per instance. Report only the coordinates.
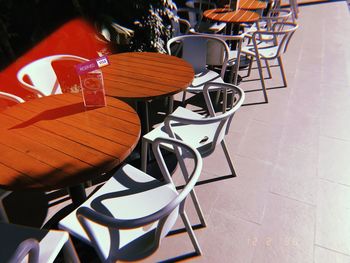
(28, 208)
(131, 187)
(180, 258)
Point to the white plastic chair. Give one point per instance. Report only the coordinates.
(11, 97)
(265, 23)
(270, 45)
(202, 51)
(130, 214)
(42, 76)
(293, 4)
(234, 54)
(202, 133)
(36, 245)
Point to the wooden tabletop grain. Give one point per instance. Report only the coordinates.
(252, 4)
(55, 142)
(228, 16)
(146, 75)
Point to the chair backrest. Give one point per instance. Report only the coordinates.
(288, 29)
(273, 16)
(42, 76)
(164, 218)
(280, 38)
(222, 120)
(278, 16)
(234, 57)
(201, 50)
(11, 97)
(179, 26)
(233, 98)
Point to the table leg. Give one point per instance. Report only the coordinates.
(77, 194)
(142, 110)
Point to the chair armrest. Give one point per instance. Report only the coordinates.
(186, 24)
(27, 247)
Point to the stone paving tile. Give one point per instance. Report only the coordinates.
(295, 175)
(287, 232)
(261, 142)
(245, 195)
(333, 217)
(323, 255)
(333, 163)
(301, 131)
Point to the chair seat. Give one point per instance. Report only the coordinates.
(209, 27)
(201, 78)
(198, 136)
(266, 50)
(232, 57)
(12, 235)
(129, 194)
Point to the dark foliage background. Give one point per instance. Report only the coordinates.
(23, 23)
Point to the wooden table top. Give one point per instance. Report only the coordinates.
(55, 142)
(228, 16)
(252, 4)
(146, 75)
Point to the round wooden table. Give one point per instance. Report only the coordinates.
(143, 76)
(233, 17)
(55, 142)
(146, 75)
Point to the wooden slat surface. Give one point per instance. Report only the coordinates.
(251, 5)
(225, 15)
(146, 75)
(55, 142)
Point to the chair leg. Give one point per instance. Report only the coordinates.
(170, 104)
(70, 255)
(183, 98)
(144, 150)
(193, 194)
(268, 68)
(282, 71)
(3, 215)
(250, 66)
(262, 79)
(198, 208)
(217, 98)
(228, 158)
(191, 233)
